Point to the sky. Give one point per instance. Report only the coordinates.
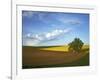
(53, 28)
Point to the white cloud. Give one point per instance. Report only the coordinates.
(31, 36)
(56, 33)
(28, 14)
(31, 39)
(72, 21)
(41, 16)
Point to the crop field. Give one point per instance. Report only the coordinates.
(56, 48)
(53, 56)
(60, 48)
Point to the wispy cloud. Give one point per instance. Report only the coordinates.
(27, 14)
(31, 39)
(43, 17)
(56, 33)
(72, 21)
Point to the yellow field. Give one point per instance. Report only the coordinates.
(57, 48)
(85, 46)
(61, 48)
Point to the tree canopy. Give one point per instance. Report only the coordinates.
(76, 45)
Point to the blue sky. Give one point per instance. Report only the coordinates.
(53, 28)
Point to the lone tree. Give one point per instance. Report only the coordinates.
(75, 46)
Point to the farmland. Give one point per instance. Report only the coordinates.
(53, 56)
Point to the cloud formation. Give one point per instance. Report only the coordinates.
(31, 39)
(43, 17)
(28, 14)
(72, 21)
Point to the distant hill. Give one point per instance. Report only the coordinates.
(54, 48)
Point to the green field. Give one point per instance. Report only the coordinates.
(53, 56)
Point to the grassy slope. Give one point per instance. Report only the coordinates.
(35, 57)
